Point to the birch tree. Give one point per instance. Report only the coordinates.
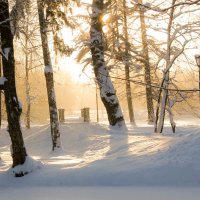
(52, 18)
(54, 124)
(107, 91)
(165, 81)
(178, 36)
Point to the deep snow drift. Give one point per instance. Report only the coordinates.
(94, 155)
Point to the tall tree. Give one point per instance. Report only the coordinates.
(55, 132)
(127, 64)
(13, 106)
(107, 90)
(147, 68)
(163, 93)
(0, 90)
(171, 55)
(27, 81)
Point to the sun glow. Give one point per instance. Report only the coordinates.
(69, 65)
(105, 18)
(78, 73)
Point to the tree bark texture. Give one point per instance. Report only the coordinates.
(107, 91)
(147, 70)
(55, 132)
(13, 107)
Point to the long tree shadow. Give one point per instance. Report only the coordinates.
(118, 144)
(90, 143)
(83, 144)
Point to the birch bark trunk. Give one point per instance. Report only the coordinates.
(107, 91)
(163, 93)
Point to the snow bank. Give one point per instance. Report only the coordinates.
(29, 166)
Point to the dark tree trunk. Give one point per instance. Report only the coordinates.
(49, 78)
(149, 96)
(127, 66)
(107, 91)
(0, 90)
(13, 107)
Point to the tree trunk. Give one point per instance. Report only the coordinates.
(173, 124)
(163, 93)
(13, 107)
(28, 102)
(27, 83)
(55, 132)
(158, 107)
(0, 90)
(107, 91)
(163, 103)
(149, 96)
(127, 66)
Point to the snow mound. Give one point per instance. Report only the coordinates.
(29, 166)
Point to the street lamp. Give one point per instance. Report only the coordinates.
(197, 58)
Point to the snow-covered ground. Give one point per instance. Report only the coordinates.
(98, 163)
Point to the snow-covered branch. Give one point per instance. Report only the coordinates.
(158, 9)
(153, 85)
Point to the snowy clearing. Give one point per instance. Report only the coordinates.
(95, 161)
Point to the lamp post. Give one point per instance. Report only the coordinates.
(197, 58)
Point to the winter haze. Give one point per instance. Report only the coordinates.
(99, 99)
